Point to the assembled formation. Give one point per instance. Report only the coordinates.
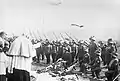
(87, 58)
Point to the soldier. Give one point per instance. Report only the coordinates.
(114, 44)
(73, 50)
(42, 50)
(67, 57)
(112, 68)
(80, 52)
(96, 64)
(92, 48)
(85, 62)
(53, 51)
(109, 50)
(47, 51)
(38, 52)
(103, 50)
(59, 50)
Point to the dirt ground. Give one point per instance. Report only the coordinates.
(42, 64)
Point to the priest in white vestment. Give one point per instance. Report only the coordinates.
(21, 52)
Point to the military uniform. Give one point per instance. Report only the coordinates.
(67, 57)
(109, 50)
(80, 52)
(112, 68)
(53, 52)
(59, 51)
(92, 48)
(47, 52)
(73, 51)
(103, 53)
(96, 64)
(85, 62)
(38, 52)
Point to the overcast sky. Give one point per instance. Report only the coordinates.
(99, 17)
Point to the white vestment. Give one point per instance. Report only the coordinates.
(3, 63)
(21, 51)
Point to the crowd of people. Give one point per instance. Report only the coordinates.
(17, 54)
(15, 58)
(91, 54)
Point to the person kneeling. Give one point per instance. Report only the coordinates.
(112, 68)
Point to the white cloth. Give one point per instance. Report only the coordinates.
(37, 45)
(3, 63)
(21, 63)
(21, 50)
(21, 47)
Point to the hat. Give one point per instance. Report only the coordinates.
(110, 43)
(110, 39)
(92, 38)
(2, 32)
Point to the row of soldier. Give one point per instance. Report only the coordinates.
(92, 53)
(76, 49)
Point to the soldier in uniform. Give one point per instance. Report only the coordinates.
(80, 52)
(92, 48)
(53, 51)
(73, 50)
(112, 68)
(96, 64)
(85, 62)
(109, 50)
(38, 52)
(67, 57)
(59, 50)
(42, 50)
(47, 51)
(103, 50)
